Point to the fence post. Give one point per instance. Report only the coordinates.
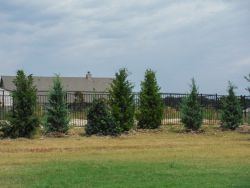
(3, 99)
(13, 104)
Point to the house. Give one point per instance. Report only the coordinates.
(71, 84)
(74, 86)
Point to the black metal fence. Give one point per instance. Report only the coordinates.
(79, 102)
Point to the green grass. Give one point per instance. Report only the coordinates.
(128, 174)
(167, 157)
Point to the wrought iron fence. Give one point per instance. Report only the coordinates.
(79, 102)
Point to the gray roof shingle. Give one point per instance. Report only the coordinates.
(69, 83)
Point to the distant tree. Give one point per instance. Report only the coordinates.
(248, 79)
(100, 119)
(231, 114)
(151, 104)
(122, 101)
(23, 121)
(57, 116)
(191, 110)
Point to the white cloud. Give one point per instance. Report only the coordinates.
(163, 34)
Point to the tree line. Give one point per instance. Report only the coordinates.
(112, 116)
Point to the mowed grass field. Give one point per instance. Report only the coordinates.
(167, 157)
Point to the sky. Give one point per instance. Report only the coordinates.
(207, 40)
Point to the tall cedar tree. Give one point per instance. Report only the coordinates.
(23, 121)
(151, 104)
(191, 110)
(122, 101)
(231, 115)
(100, 119)
(57, 116)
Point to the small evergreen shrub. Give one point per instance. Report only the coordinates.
(151, 105)
(191, 110)
(22, 120)
(100, 119)
(122, 101)
(57, 115)
(231, 114)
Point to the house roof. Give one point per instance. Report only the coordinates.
(87, 83)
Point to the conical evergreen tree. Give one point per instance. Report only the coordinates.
(151, 104)
(191, 111)
(122, 101)
(231, 115)
(100, 119)
(57, 116)
(23, 120)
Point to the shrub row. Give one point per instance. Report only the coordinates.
(150, 111)
(113, 116)
(118, 114)
(23, 121)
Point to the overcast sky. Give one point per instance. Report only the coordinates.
(205, 39)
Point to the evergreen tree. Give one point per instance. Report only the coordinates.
(151, 104)
(22, 121)
(122, 101)
(231, 115)
(100, 119)
(191, 111)
(57, 116)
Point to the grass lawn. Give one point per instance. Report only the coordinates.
(162, 158)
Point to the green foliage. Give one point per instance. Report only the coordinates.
(100, 119)
(191, 111)
(231, 115)
(57, 115)
(122, 101)
(22, 121)
(151, 104)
